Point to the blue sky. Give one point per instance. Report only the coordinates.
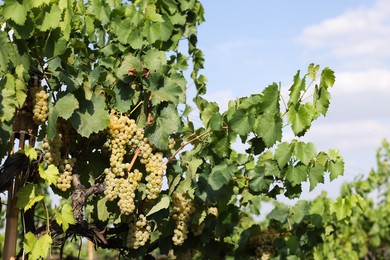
(249, 45)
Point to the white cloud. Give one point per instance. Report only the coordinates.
(372, 80)
(350, 135)
(358, 33)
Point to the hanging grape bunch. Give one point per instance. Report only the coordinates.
(125, 138)
(40, 110)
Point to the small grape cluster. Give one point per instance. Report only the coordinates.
(52, 149)
(139, 232)
(264, 244)
(41, 109)
(127, 139)
(65, 178)
(182, 210)
(171, 143)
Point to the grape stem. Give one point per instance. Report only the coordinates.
(133, 160)
(185, 144)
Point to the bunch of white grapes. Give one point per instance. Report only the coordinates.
(125, 138)
(41, 109)
(139, 232)
(52, 149)
(65, 178)
(182, 210)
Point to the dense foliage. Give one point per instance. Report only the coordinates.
(113, 124)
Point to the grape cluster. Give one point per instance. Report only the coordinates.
(127, 139)
(171, 143)
(65, 178)
(52, 149)
(40, 109)
(121, 130)
(139, 232)
(182, 209)
(264, 244)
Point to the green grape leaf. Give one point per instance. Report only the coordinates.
(300, 210)
(283, 154)
(170, 91)
(257, 181)
(327, 78)
(313, 70)
(20, 91)
(297, 174)
(50, 175)
(64, 108)
(27, 197)
(129, 62)
(162, 203)
(220, 175)
(209, 113)
(51, 19)
(270, 100)
(335, 168)
(102, 211)
(300, 120)
(297, 87)
(316, 175)
(305, 152)
(165, 124)
(8, 95)
(241, 122)
(321, 100)
(67, 216)
(151, 15)
(341, 208)
(101, 10)
(4, 51)
(41, 248)
(15, 11)
(92, 116)
(161, 31)
(269, 127)
(155, 60)
(38, 3)
(279, 213)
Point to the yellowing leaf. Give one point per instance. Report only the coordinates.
(50, 175)
(30, 152)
